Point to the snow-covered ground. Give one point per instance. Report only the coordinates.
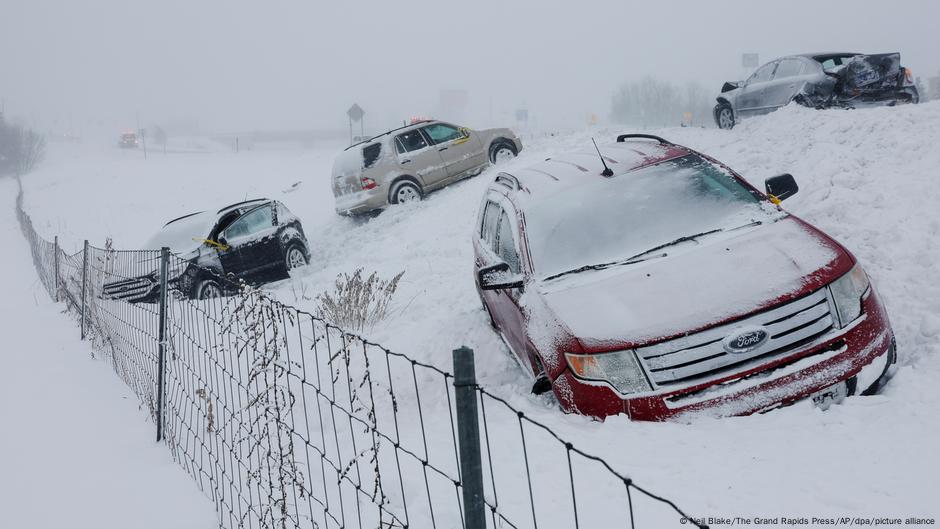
(75, 448)
(867, 177)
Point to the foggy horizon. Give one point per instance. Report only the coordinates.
(231, 66)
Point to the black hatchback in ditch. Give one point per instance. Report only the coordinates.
(257, 241)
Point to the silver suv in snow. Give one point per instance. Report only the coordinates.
(403, 165)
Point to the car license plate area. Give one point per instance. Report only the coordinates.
(834, 394)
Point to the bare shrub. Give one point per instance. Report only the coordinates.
(21, 149)
(357, 304)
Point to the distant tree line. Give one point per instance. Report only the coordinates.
(21, 148)
(650, 102)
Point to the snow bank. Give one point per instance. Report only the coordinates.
(76, 450)
(867, 177)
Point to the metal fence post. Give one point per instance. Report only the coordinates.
(56, 271)
(468, 432)
(161, 345)
(84, 282)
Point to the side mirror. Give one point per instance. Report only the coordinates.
(781, 187)
(498, 277)
(731, 85)
(220, 244)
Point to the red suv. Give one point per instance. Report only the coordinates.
(646, 278)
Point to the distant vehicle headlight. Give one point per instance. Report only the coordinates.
(847, 292)
(620, 369)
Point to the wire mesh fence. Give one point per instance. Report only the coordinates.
(284, 420)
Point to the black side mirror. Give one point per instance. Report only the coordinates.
(498, 277)
(223, 244)
(781, 187)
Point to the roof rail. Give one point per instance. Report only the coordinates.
(254, 200)
(386, 133)
(623, 137)
(507, 180)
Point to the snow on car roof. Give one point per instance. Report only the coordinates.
(561, 172)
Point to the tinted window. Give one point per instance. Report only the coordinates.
(764, 73)
(488, 230)
(250, 224)
(410, 141)
(789, 68)
(370, 153)
(440, 133)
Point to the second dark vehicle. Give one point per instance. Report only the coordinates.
(257, 241)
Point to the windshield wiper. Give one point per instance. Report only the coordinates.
(638, 258)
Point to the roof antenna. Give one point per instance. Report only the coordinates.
(606, 171)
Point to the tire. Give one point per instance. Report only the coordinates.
(404, 191)
(295, 257)
(207, 289)
(724, 116)
(877, 385)
(502, 152)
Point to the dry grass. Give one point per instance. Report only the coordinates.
(357, 303)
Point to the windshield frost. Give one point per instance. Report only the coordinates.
(613, 219)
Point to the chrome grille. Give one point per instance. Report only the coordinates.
(702, 354)
(129, 289)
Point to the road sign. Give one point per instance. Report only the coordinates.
(355, 112)
(750, 60)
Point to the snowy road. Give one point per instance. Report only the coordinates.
(867, 177)
(75, 449)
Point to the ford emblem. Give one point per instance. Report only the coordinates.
(745, 340)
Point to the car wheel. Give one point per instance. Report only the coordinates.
(405, 191)
(208, 289)
(501, 153)
(295, 257)
(724, 116)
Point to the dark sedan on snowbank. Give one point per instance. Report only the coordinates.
(817, 80)
(257, 241)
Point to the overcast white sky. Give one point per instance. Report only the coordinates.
(276, 64)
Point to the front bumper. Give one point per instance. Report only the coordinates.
(859, 354)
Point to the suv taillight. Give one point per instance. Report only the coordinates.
(368, 183)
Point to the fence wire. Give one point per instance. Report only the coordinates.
(286, 421)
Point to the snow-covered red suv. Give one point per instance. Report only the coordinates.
(648, 279)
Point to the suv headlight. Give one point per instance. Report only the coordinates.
(620, 369)
(847, 292)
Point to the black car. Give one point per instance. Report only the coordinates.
(818, 80)
(257, 241)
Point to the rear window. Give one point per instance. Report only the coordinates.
(370, 154)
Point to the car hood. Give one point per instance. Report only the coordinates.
(183, 235)
(696, 286)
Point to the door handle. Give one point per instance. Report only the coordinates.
(403, 162)
(442, 149)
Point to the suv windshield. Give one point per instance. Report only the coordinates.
(611, 219)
